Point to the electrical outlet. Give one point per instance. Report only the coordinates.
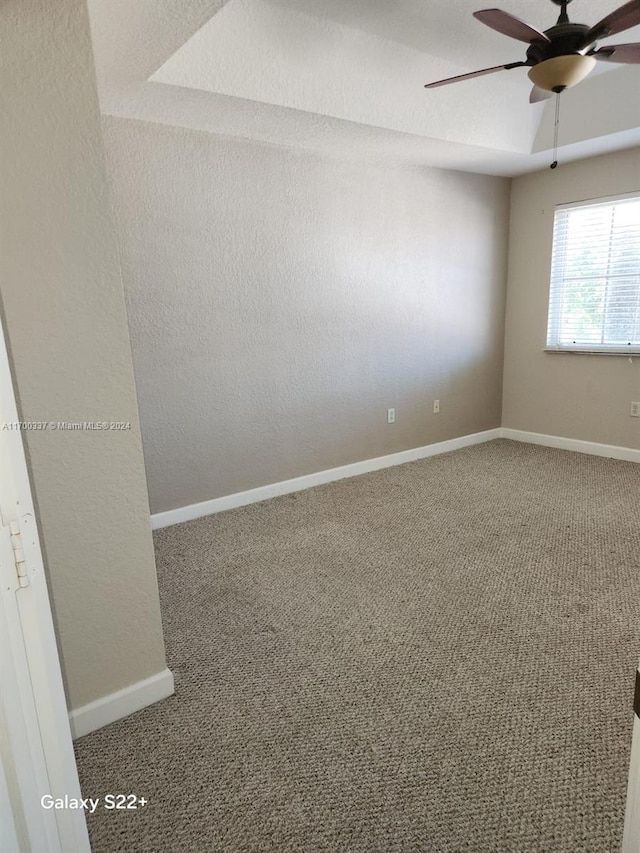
(391, 416)
(635, 410)
(436, 407)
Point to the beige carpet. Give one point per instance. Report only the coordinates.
(434, 657)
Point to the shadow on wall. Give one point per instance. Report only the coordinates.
(279, 302)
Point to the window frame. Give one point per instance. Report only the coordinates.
(553, 322)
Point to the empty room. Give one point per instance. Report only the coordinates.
(320, 426)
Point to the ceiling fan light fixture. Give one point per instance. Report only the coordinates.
(561, 72)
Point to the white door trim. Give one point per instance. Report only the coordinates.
(8, 819)
(631, 840)
(37, 752)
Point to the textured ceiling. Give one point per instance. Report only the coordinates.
(346, 77)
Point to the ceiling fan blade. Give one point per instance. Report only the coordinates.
(484, 71)
(506, 24)
(618, 53)
(538, 94)
(621, 19)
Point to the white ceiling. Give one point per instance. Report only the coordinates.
(346, 77)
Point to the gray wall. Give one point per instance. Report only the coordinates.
(579, 396)
(64, 311)
(279, 302)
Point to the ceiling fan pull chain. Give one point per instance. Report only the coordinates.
(555, 133)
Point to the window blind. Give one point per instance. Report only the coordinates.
(594, 300)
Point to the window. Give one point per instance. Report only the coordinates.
(594, 301)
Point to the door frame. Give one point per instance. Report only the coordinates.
(36, 749)
(631, 840)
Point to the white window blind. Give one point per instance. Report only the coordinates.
(594, 301)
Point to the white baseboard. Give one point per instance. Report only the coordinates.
(628, 454)
(188, 513)
(113, 707)
(262, 493)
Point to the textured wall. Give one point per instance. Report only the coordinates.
(280, 302)
(64, 311)
(579, 396)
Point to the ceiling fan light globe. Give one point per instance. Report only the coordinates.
(561, 72)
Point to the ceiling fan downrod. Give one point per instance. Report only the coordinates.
(563, 18)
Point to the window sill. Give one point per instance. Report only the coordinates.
(630, 352)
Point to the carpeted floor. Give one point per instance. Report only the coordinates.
(435, 657)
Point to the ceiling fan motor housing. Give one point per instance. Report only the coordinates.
(560, 63)
(565, 39)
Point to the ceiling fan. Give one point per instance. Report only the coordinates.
(564, 54)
